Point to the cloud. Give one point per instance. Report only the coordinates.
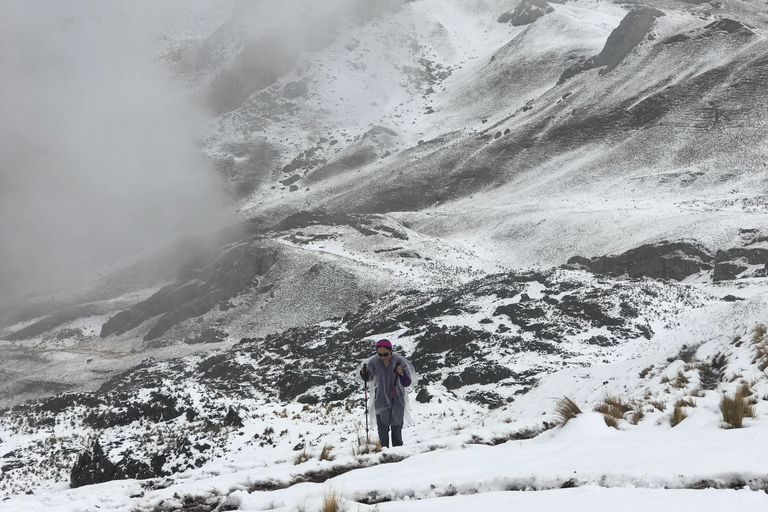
(97, 143)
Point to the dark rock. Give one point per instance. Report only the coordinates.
(436, 340)
(423, 396)
(491, 399)
(630, 32)
(727, 270)
(485, 373)
(294, 90)
(663, 260)
(290, 181)
(453, 382)
(232, 419)
(528, 11)
(520, 314)
(731, 298)
(729, 26)
(94, 467)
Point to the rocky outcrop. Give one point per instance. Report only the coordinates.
(731, 263)
(632, 29)
(663, 260)
(526, 12)
(94, 467)
(197, 293)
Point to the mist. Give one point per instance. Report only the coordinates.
(98, 160)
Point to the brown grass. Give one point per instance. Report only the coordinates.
(686, 402)
(331, 501)
(301, 457)
(680, 380)
(661, 406)
(678, 415)
(613, 409)
(325, 453)
(735, 409)
(565, 410)
(645, 371)
(364, 448)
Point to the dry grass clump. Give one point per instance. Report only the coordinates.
(364, 447)
(325, 453)
(660, 406)
(613, 409)
(680, 380)
(301, 457)
(678, 415)
(565, 410)
(735, 409)
(645, 371)
(686, 402)
(331, 501)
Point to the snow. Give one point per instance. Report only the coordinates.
(537, 219)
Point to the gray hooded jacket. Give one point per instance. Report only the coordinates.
(381, 383)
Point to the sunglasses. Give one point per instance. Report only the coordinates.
(383, 354)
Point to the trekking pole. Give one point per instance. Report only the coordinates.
(367, 438)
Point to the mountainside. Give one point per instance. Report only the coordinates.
(531, 199)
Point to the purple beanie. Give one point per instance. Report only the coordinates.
(384, 343)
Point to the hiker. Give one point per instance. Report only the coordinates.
(388, 374)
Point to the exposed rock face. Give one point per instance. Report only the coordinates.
(632, 29)
(678, 260)
(94, 467)
(196, 293)
(731, 263)
(665, 260)
(526, 12)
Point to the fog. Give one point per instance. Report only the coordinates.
(98, 160)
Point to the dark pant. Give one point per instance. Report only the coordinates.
(397, 433)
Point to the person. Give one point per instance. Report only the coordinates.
(388, 374)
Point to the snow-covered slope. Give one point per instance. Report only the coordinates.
(569, 207)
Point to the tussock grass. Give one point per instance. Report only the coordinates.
(735, 409)
(331, 501)
(325, 453)
(686, 402)
(678, 415)
(680, 380)
(660, 406)
(301, 457)
(613, 409)
(565, 410)
(364, 447)
(637, 414)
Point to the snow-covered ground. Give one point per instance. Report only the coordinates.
(442, 69)
(459, 456)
